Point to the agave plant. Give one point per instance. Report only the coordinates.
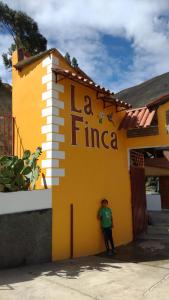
(18, 174)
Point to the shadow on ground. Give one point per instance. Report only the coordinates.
(152, 252)
(69, 269)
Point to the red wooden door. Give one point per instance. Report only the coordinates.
(164, 191)
(138, 196)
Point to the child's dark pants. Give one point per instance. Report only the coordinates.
(108, 238)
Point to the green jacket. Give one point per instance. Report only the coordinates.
(105, 215)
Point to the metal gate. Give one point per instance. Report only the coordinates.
(6, 133)
(138, 194)
(10, 139)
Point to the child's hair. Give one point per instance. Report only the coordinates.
(104, 201)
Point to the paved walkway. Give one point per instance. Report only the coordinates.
(95, 277)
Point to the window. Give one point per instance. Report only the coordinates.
(167, 121)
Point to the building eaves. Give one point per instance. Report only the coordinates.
(106, 95)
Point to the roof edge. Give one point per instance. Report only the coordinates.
(108, 96)
(158, 101)
(21, 64)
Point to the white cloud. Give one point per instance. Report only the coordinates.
(77, 25)
(5, 42)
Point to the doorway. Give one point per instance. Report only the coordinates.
(164, 191)
(149, 173)
(138, 194)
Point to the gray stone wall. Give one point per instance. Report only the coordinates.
(25, 238)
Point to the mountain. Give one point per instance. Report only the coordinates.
(145, 92)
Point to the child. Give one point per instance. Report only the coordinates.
(105, 216)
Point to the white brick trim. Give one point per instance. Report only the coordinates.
(49, 111)
(53, 123)
(50, 67)
(50, 181)
(46, 61)
(52, 172)
(50, 94)
(51, 85)
(55, 120)
(55, 102)
(55, 154)
(55, 137)
(49, 78)
(50, 163)
(55, 60)
(50, 146)
(49, 128)
(51, 59)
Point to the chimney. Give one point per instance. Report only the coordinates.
(20, 54)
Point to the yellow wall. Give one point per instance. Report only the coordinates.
(162, 139)
(90, 175)
(27, 104)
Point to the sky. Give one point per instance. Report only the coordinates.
(119, 43)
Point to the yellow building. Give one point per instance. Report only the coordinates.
(147, 144)
(85, 148)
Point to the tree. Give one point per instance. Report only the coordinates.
(67, 57)
(23, 30)
(7, 57)
(74, 62)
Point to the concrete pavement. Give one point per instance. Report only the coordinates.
(91, 277)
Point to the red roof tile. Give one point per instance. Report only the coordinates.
(139, 117)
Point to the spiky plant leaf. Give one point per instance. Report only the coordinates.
(27, 170)
(18, 166)
(26, 154)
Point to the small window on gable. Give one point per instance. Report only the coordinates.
(167, 120)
